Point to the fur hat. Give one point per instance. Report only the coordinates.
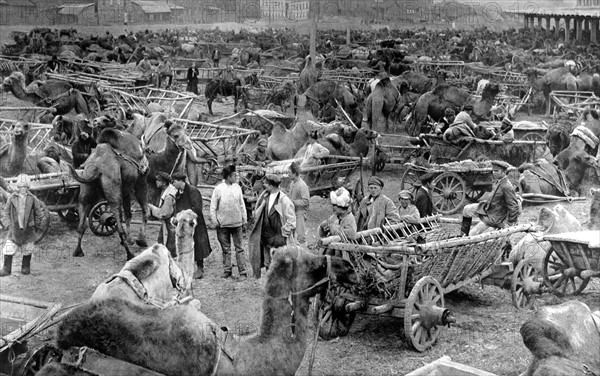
(340, 197)
(505, 166)
(179, 176)
(374, 180)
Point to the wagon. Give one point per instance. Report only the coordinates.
(430, 68)
(572, 260)
(573, 102)
(404, 270)
(174, 102)
(396, 150)
(527, 131)
(24, 347)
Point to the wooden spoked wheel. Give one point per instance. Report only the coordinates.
(102, 220)
(538, 150)
(69, 215)
(449, 193)
(335, 321)
(420, 328)
(474, 194)
(210, 173)
(38, 358)
(525, 280)
(560, 274)
(411, 179)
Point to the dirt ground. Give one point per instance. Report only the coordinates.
(486, 335)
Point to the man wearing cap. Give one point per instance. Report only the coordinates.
(190, 197)
(406, 210)
(274, 225)
(342, 223)
(300, 196)
(465, 117)
(82, 148)
(260, 153)
(503, 205)
(165, 210)
(506, 133)
(192, 79)
(376, 210)
(423, 200)
(228, 214)
(26, 218)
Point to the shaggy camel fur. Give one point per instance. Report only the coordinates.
(180, 341)
(185, 223)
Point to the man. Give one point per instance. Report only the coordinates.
(300, 197)
(228, 75)
(53, 65)
(216, 56)
(192, 79)
(260, 153)
(164, 69)
(376, 209)
(26, 218)
(444, 124)
(228, 213)
(274, 225)
(423, 200)
(82, 148)
(342, 223)
(190, 197)
(503, 205)
(314, 152)
(406, 210)
(165, 210)
(464, 117)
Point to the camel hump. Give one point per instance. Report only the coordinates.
(122, 142)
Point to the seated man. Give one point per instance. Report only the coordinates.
(444, 124)
(503, 206)
(376, 209)
(261, 157)
(506, 134)
(406, 210)
(313, 152)
(342, 223)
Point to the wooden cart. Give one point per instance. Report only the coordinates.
(170, 101)
(572, 103)
(400, 276)
(23, 350)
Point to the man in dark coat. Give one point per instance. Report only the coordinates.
(82, 148)
(503, 205)
(192, 79)
(423, 200)
(190, 197)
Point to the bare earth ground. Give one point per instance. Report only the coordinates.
(486, 335)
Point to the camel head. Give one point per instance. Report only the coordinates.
(178, 135)
(293, 269)
(15, 78)
(20, 129)
(103, 122)
(185, 223)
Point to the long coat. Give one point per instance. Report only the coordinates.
(423, 203)
(502, 205)
(191, 198)
(285, 209)
(36, 219)
(373, 214)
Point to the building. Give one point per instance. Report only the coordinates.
(14, 12)
(273, 10)
(77, 14)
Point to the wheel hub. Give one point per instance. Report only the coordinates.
(433, 315)
(531, 287)
(449, 194)
(107, 219)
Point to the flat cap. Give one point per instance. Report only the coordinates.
(405, 195)
(374, 180)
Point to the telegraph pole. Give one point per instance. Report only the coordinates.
(312, 15)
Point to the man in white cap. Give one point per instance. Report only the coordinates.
(26, 219)
(342, 222)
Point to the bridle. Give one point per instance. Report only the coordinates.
(291, 296)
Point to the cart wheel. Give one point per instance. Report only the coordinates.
(411, 179)
(69, 215)
(474, 194)
(209, 172)
(102, 220)
(38, 358)
(561, 277)
(335, 322)
(537, 150)
(524, 284)
(449, 193)
(423, 313)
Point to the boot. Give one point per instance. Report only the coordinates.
(199, 273)
(7, 269)
(466, 226)
(25, 266)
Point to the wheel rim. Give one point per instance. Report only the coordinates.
(448, 193)
(209, 171)
(418, 329)
(474, 194)
(537, 150)
(334, 321)
(102, 221)
(523, 276)
(39, 358)
(410, 179)
(559, 277)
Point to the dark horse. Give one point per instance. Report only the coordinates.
(225, 88)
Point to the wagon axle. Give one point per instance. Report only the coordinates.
(433, 316)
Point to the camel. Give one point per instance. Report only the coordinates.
(284, 144)
(117, 327)
(14, 151)
(358, 148)
(434, 103)
(185, 223)
(584, 137)
(384, 101)
(308, 76)
(326, 92)
(155, 273)
(114, 170)
(53, 93)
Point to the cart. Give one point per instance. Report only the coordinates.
(572, 260)
(397, 149)
(262, 120)
(170, 101)
(404, 270)
(527, 131)
(431, 68)
(25, 347)
(572, 103)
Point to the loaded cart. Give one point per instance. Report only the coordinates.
(404, 270)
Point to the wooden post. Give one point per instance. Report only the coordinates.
(348, 35)
(313, 31)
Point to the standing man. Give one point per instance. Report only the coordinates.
(192, 78)
(165, 210)
(502, 206)
(300, 197)
(216, 57)
(228, 213)
(274, 224)
(376, 209)
(164, 69)
(190, 197)
(423, 200)
(26, 218)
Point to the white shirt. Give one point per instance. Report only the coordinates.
(272, 197)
